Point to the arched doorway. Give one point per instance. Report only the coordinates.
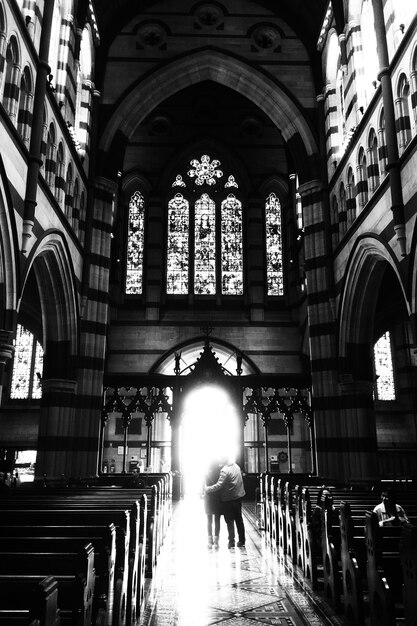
(209, 431)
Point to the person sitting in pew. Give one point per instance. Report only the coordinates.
(324, 496)
(390, 513)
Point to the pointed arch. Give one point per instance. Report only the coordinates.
(51, 262)
(191, 350)
(364, 272)
(220, 68)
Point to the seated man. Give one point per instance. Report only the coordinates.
(390, 513)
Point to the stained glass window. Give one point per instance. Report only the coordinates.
(210, 261)
(273, 246)
(177, 259)
(385, 389)
(205, 172)
(135, 244)
(205, 246)
(27, 366)
(232, 254)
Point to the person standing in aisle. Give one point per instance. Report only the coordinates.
(230, 486)
(213, 506)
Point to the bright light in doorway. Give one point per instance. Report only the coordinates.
(209, 431)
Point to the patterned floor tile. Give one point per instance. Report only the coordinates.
(196, 586)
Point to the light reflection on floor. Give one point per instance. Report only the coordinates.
(198, 586)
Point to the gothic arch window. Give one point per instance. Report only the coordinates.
(24, 116)
(351, 198)
(205, 232)
(362, 184)
(3, 36)
(135, 244)
(11, 78)
(373, 166)
(384, 370)
(60, 175)
(335, 222)
(413, 76)
(403, 113)
(27, 366)
(69, 191)
(75, 217)
(273, 245)
(50, 158)
(382, 144)
(342, 209)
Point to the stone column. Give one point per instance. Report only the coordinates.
(6, 354)
(393, 165)
(93, 326)
(56, 441)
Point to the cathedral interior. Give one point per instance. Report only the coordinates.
(208, 239)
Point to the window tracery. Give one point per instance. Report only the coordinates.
(273, 246)
(212, 260)
(135, 244)
(232, 246)
(178, 245)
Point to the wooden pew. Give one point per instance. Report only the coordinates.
(408, 556)
(74, 573)
(384, 573)
(104, 545)
(114, 498)
(87, 517)
(103, 539)
(38, 602)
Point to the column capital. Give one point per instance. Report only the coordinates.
(310, 186)
(6, 346)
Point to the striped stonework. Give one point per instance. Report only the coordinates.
(255, 258)
(93, 327)
(332, 125)
(351, 198)
(84, 125)
(65, 57)
(372, 160)
(11, 83)
(57, 439)
(362, 184)
(321, 326)
(60, 177)
(354, 93)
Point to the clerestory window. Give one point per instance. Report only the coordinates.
(27, 366)
(384, 371)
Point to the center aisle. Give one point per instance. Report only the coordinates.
(199, 586)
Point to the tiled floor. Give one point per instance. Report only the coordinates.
(198, 586)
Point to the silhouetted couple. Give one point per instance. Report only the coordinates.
(224, 492)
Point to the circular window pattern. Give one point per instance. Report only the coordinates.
(160, 125)
(151, 35)
(209, 15)
(266, 37)
(251, 126)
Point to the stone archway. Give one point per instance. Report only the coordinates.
(216, 66)
(50, 278)
(370, 269)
